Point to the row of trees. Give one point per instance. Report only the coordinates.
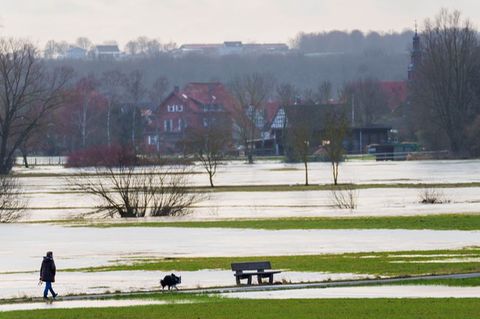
(334, 41)
(98, 111)
(355, 41)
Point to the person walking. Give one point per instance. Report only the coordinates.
(47, 274)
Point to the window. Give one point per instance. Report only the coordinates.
(180, 125)
(152, 140)
(212, 108)
(168, 125)
(175, 108)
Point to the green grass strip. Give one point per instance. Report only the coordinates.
(274, 309)
(324, 187)
(432, 222)
(464, 282)
(405, 263)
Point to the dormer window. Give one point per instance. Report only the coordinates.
(175, 108)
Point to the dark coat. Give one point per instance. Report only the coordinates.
(48, 270)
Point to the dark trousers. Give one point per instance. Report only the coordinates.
(48, 287)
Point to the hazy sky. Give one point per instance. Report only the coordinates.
(212, 20)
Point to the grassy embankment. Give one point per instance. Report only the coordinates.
(278, 309)
(405, 263)
(432, 222)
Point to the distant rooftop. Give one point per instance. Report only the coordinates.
(229, 47)
(107, 48)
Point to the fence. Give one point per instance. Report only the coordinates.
(400, 156)
(42, 160)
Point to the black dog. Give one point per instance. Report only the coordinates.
(171, 281)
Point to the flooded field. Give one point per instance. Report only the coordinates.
(50, 197)
(364, 292)
(271, 173)
(85, 247)
(221, 205)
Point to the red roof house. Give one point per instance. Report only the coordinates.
(396, 93)
(189, 107)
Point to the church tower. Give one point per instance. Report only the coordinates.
(416, 56)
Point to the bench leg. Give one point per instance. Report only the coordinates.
(238, 281)
(270, 279)
(249, 280)
(259, 279)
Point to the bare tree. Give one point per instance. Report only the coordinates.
(345, 197)
(287, 95)
(324, 92)
(443, 86)
(251, 92)
(209, 144)
(84, 91)
(368, 100)
(158, 90)
(50, 49)
(129, 191)
(53, 49)
(335, 130)
(300, 138)
(135, 93)
(84, 43)
(12, 202)
(170, 46)
(28, 92)
(112, 87)
(143, 46)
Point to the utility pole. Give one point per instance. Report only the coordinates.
(353, 110)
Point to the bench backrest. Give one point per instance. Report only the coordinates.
(251, 266)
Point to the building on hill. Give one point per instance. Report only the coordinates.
(107, 52)
(75, 53)
(234, 47)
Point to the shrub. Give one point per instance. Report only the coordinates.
(102, 156)
(345, 197)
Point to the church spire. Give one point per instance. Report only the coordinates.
(416, 54)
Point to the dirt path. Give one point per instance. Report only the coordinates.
(244, 288)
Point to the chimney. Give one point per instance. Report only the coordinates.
(176, 89)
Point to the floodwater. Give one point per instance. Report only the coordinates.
(239, 173)
(221, 205)
(25, 284)
(50, 197)
(85, 247)
(363, 292)
(72, 304)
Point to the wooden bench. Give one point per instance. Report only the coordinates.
(248, 269)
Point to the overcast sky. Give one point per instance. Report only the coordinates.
(202, 21)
